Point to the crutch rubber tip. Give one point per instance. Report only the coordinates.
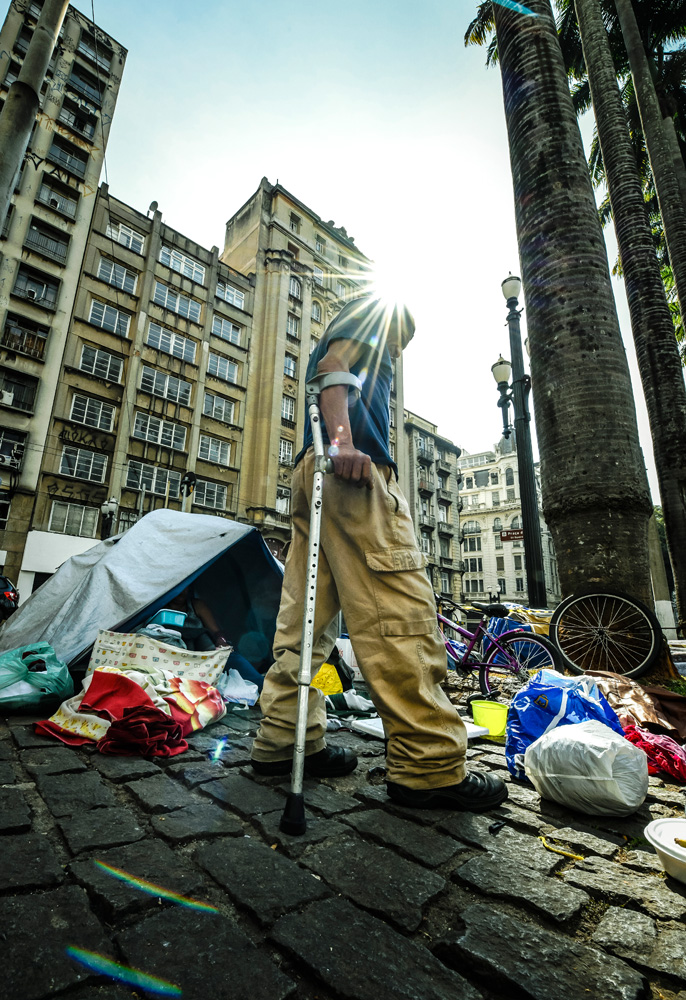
(293, 819)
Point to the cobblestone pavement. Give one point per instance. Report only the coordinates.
(374, 902)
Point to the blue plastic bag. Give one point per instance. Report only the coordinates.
(550, 700)
(32, 675)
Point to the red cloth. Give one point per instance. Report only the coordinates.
(663, 753)
(143, 731)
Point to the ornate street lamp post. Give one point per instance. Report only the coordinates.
(108, 510)
(517, 393)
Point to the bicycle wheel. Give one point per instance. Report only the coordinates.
(606, 630)
(524, 653)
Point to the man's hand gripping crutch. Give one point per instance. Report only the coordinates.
(293, 818)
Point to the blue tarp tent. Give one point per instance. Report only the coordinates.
(121, 582)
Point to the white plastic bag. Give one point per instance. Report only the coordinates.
(588, 767)
(233, 687)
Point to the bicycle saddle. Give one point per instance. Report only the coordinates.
(496, 610)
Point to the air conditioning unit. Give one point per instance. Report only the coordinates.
(54, 203)
(7, 397)
(31, 293)
(6, 460)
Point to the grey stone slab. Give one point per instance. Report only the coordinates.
(210, 742)
(71, 794)
(642, 861)
(523, 795)
(518, 816)
(37, 930)
(160, 793)
(15, 815)
(100, 828)
(119, 769)
(494, 761)
(579, 840)
(202, 819)
(7, 773)
(226, 748)
(243, 796)
(670, 795)
(28, 862)
(615, 882)
(410, 839)
(188, 757)
(483, 831)
(506, 877)
(6, 752)
(544, 964)
(318, 829)
(205, 955)
(658, 946)
(381, 965)
(259, 879)
(376, 879)
(237, 723)
(194, 774)
(149, 860)
(326, 800)
(25, 737)
(44, 760)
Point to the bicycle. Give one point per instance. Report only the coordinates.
(505, 662)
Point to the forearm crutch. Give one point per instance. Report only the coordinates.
(293, 818)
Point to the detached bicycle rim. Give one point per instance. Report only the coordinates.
(525, 654)
(606, 630)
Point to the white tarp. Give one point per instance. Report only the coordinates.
(125, 579)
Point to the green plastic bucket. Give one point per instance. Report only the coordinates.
(490, 714)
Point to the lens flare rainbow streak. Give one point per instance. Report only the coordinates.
(154, 890)
(123, 973)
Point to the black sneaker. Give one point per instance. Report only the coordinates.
(479, 792)
(331, 762)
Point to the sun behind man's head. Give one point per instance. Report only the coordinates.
(381, 323)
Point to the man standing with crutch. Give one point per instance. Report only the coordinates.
(370, 567)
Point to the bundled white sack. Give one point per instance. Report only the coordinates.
(588, 767)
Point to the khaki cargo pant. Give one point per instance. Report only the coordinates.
(370, 568)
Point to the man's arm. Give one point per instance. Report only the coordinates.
(349, 463)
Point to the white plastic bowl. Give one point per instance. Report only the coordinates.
(661, 833)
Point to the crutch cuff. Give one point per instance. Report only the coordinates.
(328, 379)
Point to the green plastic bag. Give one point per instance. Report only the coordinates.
(33, 676)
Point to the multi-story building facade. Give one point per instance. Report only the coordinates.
(431, 483)
(492, 549)
(42, 246)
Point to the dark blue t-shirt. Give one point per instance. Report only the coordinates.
(370, 413)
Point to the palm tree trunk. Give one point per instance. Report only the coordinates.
(651, 322)
(660, 152)
(595, 491)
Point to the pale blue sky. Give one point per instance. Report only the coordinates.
(373, 114)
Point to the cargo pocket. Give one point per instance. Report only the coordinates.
(402, 591)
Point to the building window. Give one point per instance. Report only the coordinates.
(516, 522)
(444, 547)
(283, 500)
(481, 478)
(519, 584)
(316, 312)
(472, 528)
(52, 197)
(126, 236)
(230, 294)
(294, 288)
(36, 287)
(319, 244)
(287, 408)
(391, 416)
(86, 84)
(294, 223)
(476, 565)
(181, 304)
(92, 413)
(445, 583)
(101, 363)
(502, 585)
(509, 477)
(285, 452)
(95, 52)
(127, 519)
(290, 366)
(208, 494)
(47, 242)
(171, 343)
(178, 261)
(472, 544)
(510, 495)
(495, 498)
(152, 479)
(70, 157)
(500, 564)
(164, 432)
(293, 326)
(494, 479)
(213, 450)
(518, 562)
(342, 260)
(117, 275)
(24, 336)
(165, 386)
(222, 368)
(443, 513)
(73, 519)
(340, 290)
(391, 450)
(82, 464)
(110, 319)
(313, 343)
(425, 542)
(4, 513)
(227, 330)
(469, 483)
(498, 540)
(318, 276)
(219, 408)
(12, 445)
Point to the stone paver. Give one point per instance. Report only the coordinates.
(508, 878)
(227, 748)
(413, 841)
(70, 794)
(200, 820)
(244, 796)
(205, 955)
(585, 843)
(381, 965)
(7, 773)
(318, 829)
(659, 946)
(259, 879)
(15, 815)
(326, 800)
(150, 860)
(642, 861)
(26, 738)
(545, 964)
(6, 752)
(36, 931)
(28, 861)
(376, 879)
(195, 774)
(160, 793)
(113, 825)
(51, 761)
(616, 882)
(485, 831)
(123, 768)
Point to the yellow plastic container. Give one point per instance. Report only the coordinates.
(490, 714)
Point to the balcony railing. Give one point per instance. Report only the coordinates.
(46, 246)
(92, 93)
(54, 200)
(446, 528)
(444, 465)
(29, 342)
(67, 160)
(427, 485)
(47, 299)
(19, 397)
(447, 562)
(427, 521)
(101, 60)
(445, 495)
(84, 128)
(425, 454)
